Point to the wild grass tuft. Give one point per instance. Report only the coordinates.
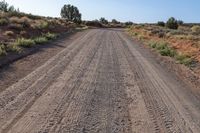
(24, 42)
(40, 40)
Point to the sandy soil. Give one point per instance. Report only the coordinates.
(100, 82)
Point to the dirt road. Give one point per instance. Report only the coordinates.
(101, 82)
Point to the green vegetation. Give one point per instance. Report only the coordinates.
(2, 50)
(3, 22)
(180, 22)
(4, 6)
(172, 23)
(38, 40)
(161, 23)
(71, 13)
(14, 48)
(50, 36)
(41, 40)
(103, 20)
(163, 48)
(183, 59)
(24, 42)
(43, 25)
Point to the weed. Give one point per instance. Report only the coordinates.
(14, 48)
(3, 22)
(183, 59)
(24, 42)
(40, 40)
(50, 36)
(163, 48)
(196, 29)
(2, 50)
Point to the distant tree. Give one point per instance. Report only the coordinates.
(161, 23)
(129, 23)
(172, 23)
(71, 13)
(103, 21)
(114, 21)
(4, 6)
(180, 22)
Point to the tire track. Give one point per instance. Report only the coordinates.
(24, 101)
(57, 116)
(163, 118)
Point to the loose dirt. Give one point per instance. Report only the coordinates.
(99, 82)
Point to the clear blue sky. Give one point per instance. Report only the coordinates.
(123, 10)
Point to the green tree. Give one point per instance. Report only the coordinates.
(161, 23)
(180, 22)
(114, 21)
(4, 6)
(71, 13)
(172, 23)
(103, 20)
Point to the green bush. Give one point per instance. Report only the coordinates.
(50, 36)
(43, 25)
(2, 50)
(163, 48)
(3, 22)
(172, 23)
(161, 23)
(153, 44)
(40, 40)
(24, 42)
(183, 59)
(14, 48)
(167, 52)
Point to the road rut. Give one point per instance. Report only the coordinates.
(101, 82)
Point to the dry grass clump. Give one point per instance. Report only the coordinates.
(8, 33)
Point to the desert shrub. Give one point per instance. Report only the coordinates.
(183, 59)
(24, 42)
(103, 20)
(129, 23)
(8, 33)
(4, 21)
(180, 22)
(167, 52)
(161, 23)
(43, 25)
(24, 21)
(172, 23)
(50, 36)
(114, 21)
(16, 27)
(152, 44)
(15, 20)
(2, 49)
(196, 29)
(40, 40)
(14, 48)
(163, 48)
(93, 23)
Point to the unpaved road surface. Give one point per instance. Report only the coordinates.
(101, 82)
